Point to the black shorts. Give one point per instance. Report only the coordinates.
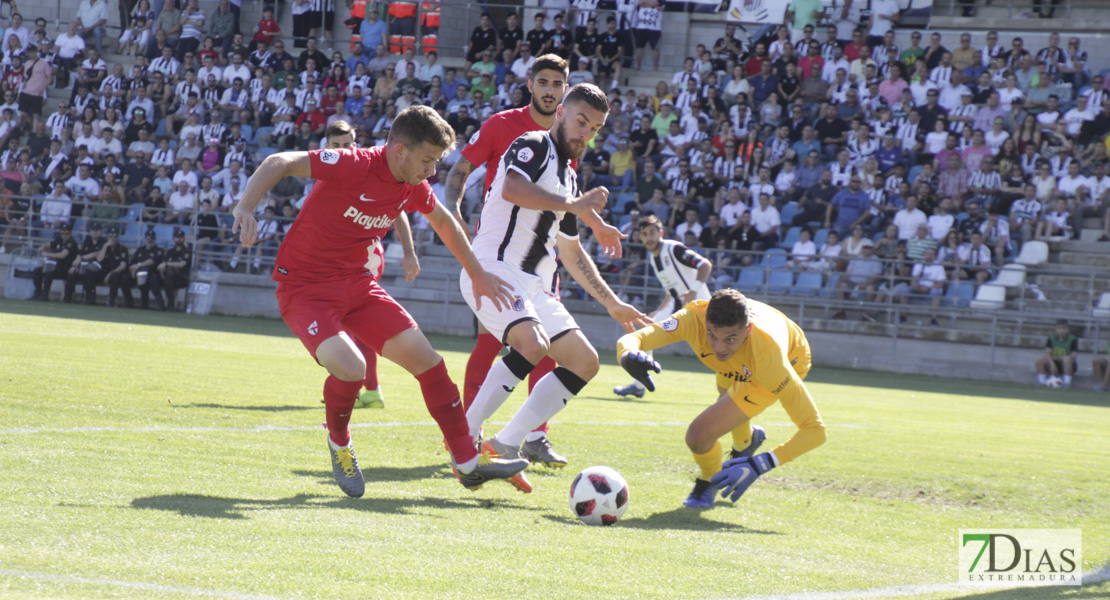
(313, 18)
(604, 67)
(1060, 365)
(645, 37)
(31, 105)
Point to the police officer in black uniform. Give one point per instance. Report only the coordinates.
(58, 256)
(173, 273)
(84, 265)
(144, 262)
(113, 258)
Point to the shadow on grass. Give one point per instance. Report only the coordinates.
(681, 519)
(280, 408)
(1038, 593)
(376, 474)
(220, 507)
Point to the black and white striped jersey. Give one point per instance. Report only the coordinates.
(525, 238)
(676, 268)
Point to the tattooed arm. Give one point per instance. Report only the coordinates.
(582, 268)
(456, 182)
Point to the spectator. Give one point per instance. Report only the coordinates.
(852, 207)
(1060, 358)
(766, 220)
(929, 278)
(803, 255)
(92, 17)
(172, 273)
(861, 276)
(649, 29)
(941, 222)
(974, 260)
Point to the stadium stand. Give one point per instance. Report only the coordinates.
(732, 120)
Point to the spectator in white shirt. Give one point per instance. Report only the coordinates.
(730, 213)
(804, 253)
(996, 235)
(909, 219)
(1070, 183)
(1076, 117)
(767, 221)
(182, 203)
(974, 259)
(942, 221)
(92, 16)
(929, 278)
(690, 225)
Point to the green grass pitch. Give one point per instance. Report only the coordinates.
(146, 455)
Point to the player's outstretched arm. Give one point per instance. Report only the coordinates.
(485, 283)
(525, 194)
(456, 184)
(410, 262)
(582, 268)
(268, 174)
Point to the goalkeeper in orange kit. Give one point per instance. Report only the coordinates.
(760, 356)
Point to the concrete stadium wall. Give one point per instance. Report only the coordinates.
(438, 307)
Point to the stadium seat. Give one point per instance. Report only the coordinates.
(78, 227)
(625, 220)
(265, 129)
(792, 235)
(1010, 276)
(787, 213)
(751, 279)
(878, 236)
(914, 172)
(820, 237)
(830, 285)
(134, 212)
(774, 258)
(960, 218)
(623, 201)
(989, 297)
(1033, 252)
(246, 132)
(263, 153)
(960, 293)
(808, 284)
(780, 281)
(164, 233)
(1102, 311)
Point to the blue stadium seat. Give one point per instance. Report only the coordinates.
(960, 293)
(792, 235)
(247, 132)
(914, 172)
(787, 213)
(780, 281)
(623, 201)
(751, 279)
(265, 129)
(820, 237)
(264, 152)
(78, 227)
(830, 285)
(625, 220)
(134, 212)
(878, 236)
(164, 233)
(774, 258)
(808, 284)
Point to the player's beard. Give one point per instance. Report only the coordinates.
(536, 104)
(563, 145)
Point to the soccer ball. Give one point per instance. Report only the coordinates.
(599, 496)
(1054, 382)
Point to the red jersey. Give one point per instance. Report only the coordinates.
(267, 30)
(490, 142)
(351, 207)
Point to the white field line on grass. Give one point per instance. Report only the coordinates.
(132, 585)
(269, 428)
(1099, 576)
(900, 591)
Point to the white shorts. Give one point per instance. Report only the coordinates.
(532, 302)
(669, 309)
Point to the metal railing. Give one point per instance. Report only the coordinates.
(1058, 9)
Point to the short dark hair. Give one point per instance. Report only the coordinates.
(339, 128)
(727, 308)
(648, 221)
(551, 62)
(591, 95)
(421, 124)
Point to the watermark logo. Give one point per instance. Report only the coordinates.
(1008, 557)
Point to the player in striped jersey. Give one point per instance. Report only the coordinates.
(532, 207)
(547, 86)
(682, 273)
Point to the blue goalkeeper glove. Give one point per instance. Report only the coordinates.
(738, 474)
(639, 365)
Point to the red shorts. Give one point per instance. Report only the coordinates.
(359, 307)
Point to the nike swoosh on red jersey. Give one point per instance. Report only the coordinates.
(365, 199)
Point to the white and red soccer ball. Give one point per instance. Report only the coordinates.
(599, 496)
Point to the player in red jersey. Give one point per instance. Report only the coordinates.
(340, 134)
(547, 85)
(327, 295)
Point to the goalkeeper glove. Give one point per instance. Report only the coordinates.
(737, 474)
(639, 365)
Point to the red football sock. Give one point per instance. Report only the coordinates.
(339, 401)
(544, 367)
(371, 381)
(486, 349)
(441, 396)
